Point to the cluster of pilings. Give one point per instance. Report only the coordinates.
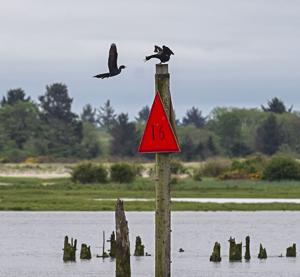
(85, 251)
(235, 251)
(119, 245)
(70, 251)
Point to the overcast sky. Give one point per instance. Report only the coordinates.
(227, 53)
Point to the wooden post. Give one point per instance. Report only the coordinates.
(247, 253)
(235, 250)
(104, 254)
(139, 247)
(112, 241)
(291, 251)
(69, 250)
(122, 242)
(163, 175)
(262, 252)
(216, 254)
(85, 252)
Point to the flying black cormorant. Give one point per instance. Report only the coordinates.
(112, 64)
(163, 54)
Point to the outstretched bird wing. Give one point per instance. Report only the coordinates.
(112, 58)
(167, 50)
(157, 49)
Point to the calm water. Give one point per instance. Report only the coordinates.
(31, 243)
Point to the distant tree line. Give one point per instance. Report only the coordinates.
(49, 129)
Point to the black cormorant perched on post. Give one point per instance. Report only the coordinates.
(112, 64)
(163, 54)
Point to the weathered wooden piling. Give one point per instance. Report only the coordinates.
(291, 251)
(262, 252)
(235, 250)
(69, 250)
(122, 242)
(247, 253)
(216, 254)
(85, 252)
(139, 247)
(112, 251)
(163, 174)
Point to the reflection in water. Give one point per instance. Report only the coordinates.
(31, 243)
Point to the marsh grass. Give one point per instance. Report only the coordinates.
(34, 194)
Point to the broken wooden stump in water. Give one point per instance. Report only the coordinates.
(139, 247)
(291, 251)
(235, 250)
(85, 252)
(216, 254)
(247, 253)
(112, 251)
(69, 250)
(122, 242)
(262, 252)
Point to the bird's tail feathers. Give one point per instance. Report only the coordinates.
(102, 75)
(147, 58)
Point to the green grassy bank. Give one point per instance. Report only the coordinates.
(33, 194)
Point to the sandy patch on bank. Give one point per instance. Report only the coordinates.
(42, 171)
(40, 175)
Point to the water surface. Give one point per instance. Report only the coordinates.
(31, 243)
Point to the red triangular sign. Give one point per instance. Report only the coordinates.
(158, 135)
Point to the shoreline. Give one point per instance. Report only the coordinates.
(36, 194)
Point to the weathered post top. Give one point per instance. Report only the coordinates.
(162, 69)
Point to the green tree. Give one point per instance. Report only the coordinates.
(269, 136)
(211, 146)
(235, 129)
(14, 96)
(194, 116)
(143, 115)
(276, 105)
(193, 142)
(56, 103)
(88, 114)
(90, 145)
(106, 115)
(290, 126)
(188, 148)
(124, 141)
(62, 131)
(19, 122)
(226, 123)
(240, 149)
